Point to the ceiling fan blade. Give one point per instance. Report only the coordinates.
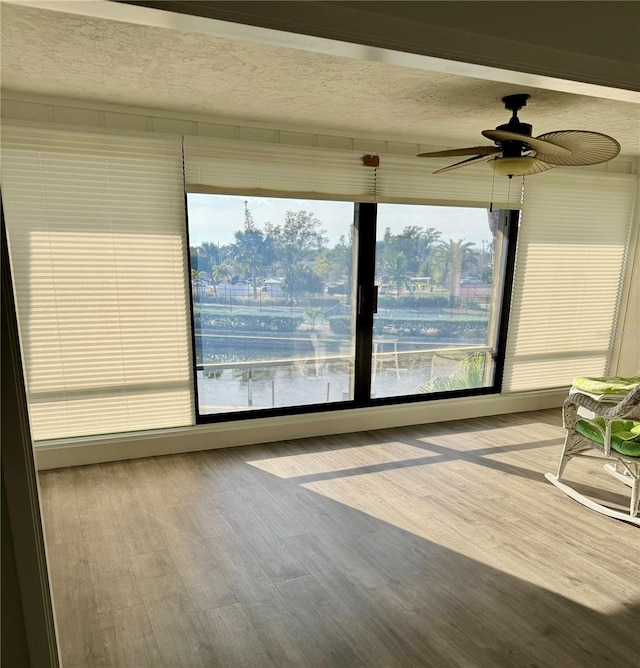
(585, 147)
(538, 167)
(464, 163)
(471, 150)
(537, 144)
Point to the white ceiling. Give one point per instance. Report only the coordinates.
(52, 53)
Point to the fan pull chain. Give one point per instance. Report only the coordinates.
(493, 181)
(375, 184)
(184, 169)
(509, 194)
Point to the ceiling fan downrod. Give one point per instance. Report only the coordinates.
(514, 103)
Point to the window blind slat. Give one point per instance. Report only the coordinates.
(569, 268)
(97, 242)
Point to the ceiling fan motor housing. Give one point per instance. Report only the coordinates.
(512, 148)
(515, 125)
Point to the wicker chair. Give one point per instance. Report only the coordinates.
(614, 432)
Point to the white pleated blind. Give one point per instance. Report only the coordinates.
(97, 243)
(570, 262)
(247, 168)
(411, 180)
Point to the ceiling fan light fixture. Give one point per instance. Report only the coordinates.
(515, 166)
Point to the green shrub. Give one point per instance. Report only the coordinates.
(432, 329)
(241, 300)
(340, 324)
(251, 323)
(414, 301)
(436, 329)
(469, 374)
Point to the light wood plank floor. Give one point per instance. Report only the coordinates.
(439, 545)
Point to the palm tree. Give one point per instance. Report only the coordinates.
(208, 254)
(196, 279)
(450, 255)
(219, 273)
(395, 268)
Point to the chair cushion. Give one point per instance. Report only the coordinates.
(611, 385)
(625, 434)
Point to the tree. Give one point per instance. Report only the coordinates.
(415, 243)
(296, 240)
(208, 254)
(193, 258)
(196, 279)
(395, 270)
(312, 313)
(342, 258)
(450, 256)
(326, 269)
(220, 273)
(299, 234)
(300, 279)
(250, 247)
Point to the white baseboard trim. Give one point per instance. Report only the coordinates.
(78, 452)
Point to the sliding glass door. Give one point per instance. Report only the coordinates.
(304, 304)
(271, 283)
(435, 326)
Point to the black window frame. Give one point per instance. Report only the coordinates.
(364, 293)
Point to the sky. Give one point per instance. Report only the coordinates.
(215, 218)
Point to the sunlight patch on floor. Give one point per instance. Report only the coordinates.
(480, 439)
(343, 459)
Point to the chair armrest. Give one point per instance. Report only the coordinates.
(628, 408)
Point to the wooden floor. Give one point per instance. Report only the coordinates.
(439, 545)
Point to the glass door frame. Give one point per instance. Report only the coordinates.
(364, 296)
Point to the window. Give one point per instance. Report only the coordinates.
(271, 283)
(439, 275)
(283, 293)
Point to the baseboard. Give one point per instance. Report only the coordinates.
(78, 452)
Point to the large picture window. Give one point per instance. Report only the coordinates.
(300, 303)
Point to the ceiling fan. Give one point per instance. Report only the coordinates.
(517, 153)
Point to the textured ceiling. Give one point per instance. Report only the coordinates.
(103, 61)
